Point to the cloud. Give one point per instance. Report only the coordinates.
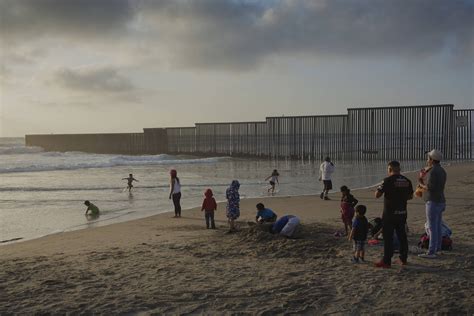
(26, 19)
(105, 80)
(240, 34)
(4, 73)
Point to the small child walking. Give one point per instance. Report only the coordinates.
(130, 180)
(348, 202)
(273, 180)
(359, 231)
(209, 205)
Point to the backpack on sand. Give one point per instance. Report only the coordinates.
(446, 243)
(375, 225)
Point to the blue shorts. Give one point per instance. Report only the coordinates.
(359, 245)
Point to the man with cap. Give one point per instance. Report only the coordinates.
(435, 201)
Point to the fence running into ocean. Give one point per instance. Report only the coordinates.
(372, 133)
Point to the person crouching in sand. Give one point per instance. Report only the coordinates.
(94, 210)
(358, 234)
(209, 205)
(233, 204)
(285, 226)
(348, 202)
(264, 215)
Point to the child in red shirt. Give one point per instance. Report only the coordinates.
(209, 205)
(348, 202)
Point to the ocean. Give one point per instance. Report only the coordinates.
(43, 193)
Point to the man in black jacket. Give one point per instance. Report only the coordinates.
(397, 190)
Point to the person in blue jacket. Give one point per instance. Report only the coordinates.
(264, 214)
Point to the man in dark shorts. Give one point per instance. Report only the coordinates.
(397, 190)
(325, 173)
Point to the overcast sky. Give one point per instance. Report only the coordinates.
(86, 66)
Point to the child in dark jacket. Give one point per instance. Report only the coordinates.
(348, 202)
(209, 205)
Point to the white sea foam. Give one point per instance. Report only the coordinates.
(37, 160)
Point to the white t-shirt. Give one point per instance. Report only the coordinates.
(176, 187)
(326, 170)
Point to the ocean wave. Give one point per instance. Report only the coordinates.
(160, 159)
(118, 188)
(19, 150)
(51, 161)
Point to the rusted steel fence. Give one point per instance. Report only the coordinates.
(308, 137)
(403, 133)
(464, 126)
(371, 133)
(181, 140)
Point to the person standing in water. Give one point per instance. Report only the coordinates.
(273, 180)
(325, 173)
(175, 192)
(130, 180)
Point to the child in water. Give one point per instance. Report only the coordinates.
(359, 231)
(92, 208)
(209, 205)
(130, 180)
(273, 180)
(348, 202)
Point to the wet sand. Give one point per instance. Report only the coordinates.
(163, 265)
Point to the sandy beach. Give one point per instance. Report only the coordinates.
(163, 265)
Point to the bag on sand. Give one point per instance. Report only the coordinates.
(446, 243)
(375, 225)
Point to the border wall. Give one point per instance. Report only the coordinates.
(372, 133)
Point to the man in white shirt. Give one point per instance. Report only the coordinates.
(325, 173)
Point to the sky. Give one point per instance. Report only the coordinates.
(105, 66)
